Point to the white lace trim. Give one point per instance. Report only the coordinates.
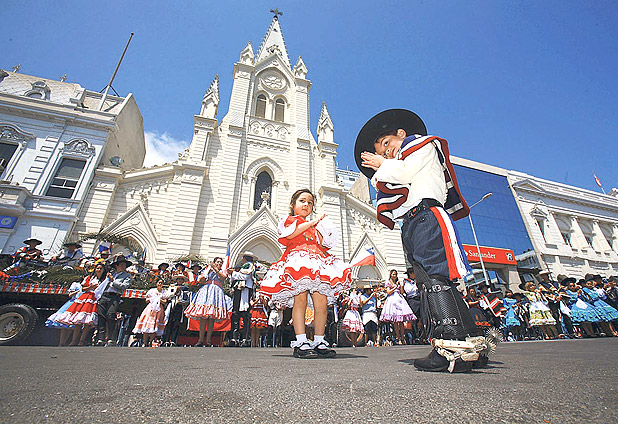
(286, 297)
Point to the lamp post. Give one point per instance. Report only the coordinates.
(478, 248)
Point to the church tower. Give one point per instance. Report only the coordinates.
(231, 187)
(263, 149)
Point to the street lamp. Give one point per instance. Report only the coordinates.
(478, 248)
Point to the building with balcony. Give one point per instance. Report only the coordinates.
(53, 135)
(574, 231)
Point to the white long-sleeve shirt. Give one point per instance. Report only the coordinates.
(421, 171)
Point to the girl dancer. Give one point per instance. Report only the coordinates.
(209, 304)
(540, 315)
(83, 312)
(352, 322)
(151, 322)
(396, 309)
(52, 321)
(512, 325)
(306, 267)
(259, 318)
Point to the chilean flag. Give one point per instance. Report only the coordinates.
(364, 257)
(226, 261)
(596, 179)
(104, 245)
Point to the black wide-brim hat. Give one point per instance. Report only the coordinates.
(120, 259)
(37, 241)
(388, 120)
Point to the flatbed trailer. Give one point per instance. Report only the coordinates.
(24, 307)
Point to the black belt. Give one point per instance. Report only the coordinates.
(423, 205)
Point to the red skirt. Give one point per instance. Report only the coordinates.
(258, 317)
(82, 311)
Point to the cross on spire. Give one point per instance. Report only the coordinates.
(276, 12)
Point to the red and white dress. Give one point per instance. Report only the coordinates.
(152, 319)
(210, 300)
(306, 266)
(352, 321)
(259, 319)
(84, 310)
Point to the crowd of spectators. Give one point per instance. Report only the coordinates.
(384, 314)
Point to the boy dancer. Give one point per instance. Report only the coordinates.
(416, 184)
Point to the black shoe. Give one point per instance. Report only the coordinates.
(434, 362)
(304, 353)
(199, 344)
(324, 351)
(481, 362)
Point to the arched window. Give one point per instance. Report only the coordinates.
(263, 185)
(260, 106)
(279, 110)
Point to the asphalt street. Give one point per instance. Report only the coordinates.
(532, 382)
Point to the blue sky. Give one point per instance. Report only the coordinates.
(529, 86)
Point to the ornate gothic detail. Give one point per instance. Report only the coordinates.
(80, 146)
(184, 155)
(268, 130)
(246, 55)
(242, 74)
(273, 81)
(39, 90)
(300, 69)
(14, 134)
(363, 221)
(235, 132)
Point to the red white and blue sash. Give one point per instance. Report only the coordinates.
(391, 196)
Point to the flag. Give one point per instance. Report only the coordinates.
(596, 179)
(189, 264)
(364, 257)
(105, 245)
(143, 256)
(226, 261)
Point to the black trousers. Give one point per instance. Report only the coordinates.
(108, 308)
(237, 315)
(172, 329)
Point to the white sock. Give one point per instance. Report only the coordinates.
(301, 338)
(318, 339)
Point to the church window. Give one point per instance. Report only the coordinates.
(6, 153)
(260, 106)
(279, 110)
(67, 176)
(263, 190)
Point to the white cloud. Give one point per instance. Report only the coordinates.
(162, 148)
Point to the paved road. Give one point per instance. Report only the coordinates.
(531, 382)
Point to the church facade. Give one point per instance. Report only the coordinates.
(233, 184)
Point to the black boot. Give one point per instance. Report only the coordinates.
(481, 362)
(434, 362)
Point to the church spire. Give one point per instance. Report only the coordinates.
(326, 130)
(210, 103)
(273, 42)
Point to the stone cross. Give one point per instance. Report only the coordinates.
(276, 12)
(63, 78)
(16, 68)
